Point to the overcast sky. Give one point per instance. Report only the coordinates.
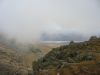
(27, 19)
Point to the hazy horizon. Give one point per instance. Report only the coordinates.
(27, 20)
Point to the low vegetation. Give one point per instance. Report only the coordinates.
(85, 56)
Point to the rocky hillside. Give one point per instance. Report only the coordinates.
(77, 58)
(16, 58)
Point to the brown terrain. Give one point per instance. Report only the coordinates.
(15, 62)
(74, 59)
(11, 62)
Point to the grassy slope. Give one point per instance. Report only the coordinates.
(11, 62)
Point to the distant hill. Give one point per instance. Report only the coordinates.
(62, 37)
(84, 56)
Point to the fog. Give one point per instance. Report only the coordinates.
(27, 20)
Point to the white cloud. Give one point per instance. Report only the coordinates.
(28, 18)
